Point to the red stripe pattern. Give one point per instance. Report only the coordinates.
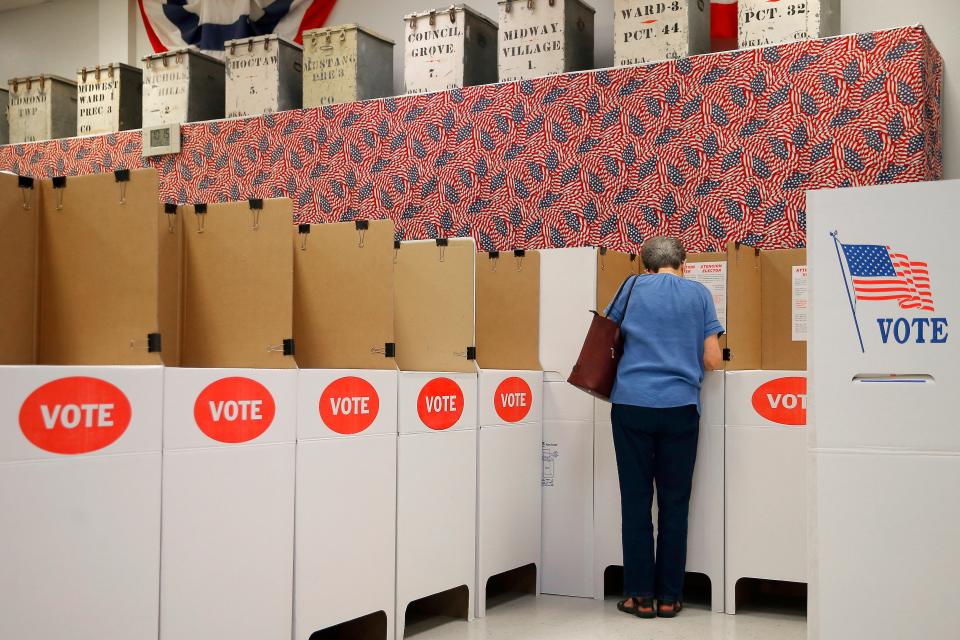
(710, 149)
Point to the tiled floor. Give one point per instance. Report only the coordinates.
(559, 618)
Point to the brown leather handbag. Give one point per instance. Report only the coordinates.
(596, 368)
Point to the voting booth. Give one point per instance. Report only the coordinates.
(705, 532)
(766, 478)
(346, 427)
(229, 428)
(437, 420)
(90, 275)
(510, 415)
(883, 381)
(572, 283)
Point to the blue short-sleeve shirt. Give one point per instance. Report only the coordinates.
(664, 327)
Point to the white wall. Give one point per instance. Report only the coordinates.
(942, 20)
(53, 38)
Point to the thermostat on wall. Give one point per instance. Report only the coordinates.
(161, 140)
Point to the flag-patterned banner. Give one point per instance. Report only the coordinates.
(711, 149)
(880, 274)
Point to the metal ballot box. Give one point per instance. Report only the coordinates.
(345, 63)
(109, 99)
(264, 75)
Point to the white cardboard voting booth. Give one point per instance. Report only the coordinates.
(572, 283)
(437, 422)
(705, 535)
(510, 416)
(883, 386)
(229, 429)
(82, 404)
(346, 502)
(766, 478)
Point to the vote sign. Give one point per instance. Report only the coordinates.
(75, 415)
(512, 399)
(349, 405)
(234, 410)
(440, 404)
(782, 400)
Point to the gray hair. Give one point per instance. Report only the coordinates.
(662, 251)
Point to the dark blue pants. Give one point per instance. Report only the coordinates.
(655, 446)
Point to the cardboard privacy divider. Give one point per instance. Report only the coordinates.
(264, 74)
(182, 86)
(4, 118)
(766, 478)
(81, 461)
(761, 23)
(543, 37)
(572, 282)
(883, 380)
(448, 48)
(437, 420)
(346, 515)
(109, 99)
(345, 63)
(20, 209)
(705, 548)
(42, 108)
(761, 302)
(510, 416)
(229, 428)
(645, 31)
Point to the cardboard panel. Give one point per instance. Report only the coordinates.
(343, 296)
(98, 270)
(434, 306)
(613, 268)
(744, 317)
(18, 264)
(238, 285)
(170, 284)
(508, 311)
(779, 350)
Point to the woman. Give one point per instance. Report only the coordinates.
(671, 335)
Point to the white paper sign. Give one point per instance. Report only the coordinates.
(712, 275)
(800, 302)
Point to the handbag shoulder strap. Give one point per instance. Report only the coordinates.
(631, 281)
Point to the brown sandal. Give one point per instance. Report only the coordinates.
(642, 607)
(673, 608)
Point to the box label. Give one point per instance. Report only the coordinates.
(434, 55)
(513, 399)
(647, 31)
(98, 103)
(531, 40)
(234, 410)
(349, 405)
(29, 112)
(253, 79)
(329, 68)
(165, 91)
(550, 455)
(767, 22)
(440, 404)
(799, 303)
(75, 415)
(712, 275)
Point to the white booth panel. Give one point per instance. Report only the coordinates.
(568, 291)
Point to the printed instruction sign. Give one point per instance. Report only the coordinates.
(712, 275)
(800, 302)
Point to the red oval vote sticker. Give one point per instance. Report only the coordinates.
(783, 400)
(349, 405)
(440, 404)
(234, 410)
(512, 399)
(75, 415)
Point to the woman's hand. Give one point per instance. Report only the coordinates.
(712, 354)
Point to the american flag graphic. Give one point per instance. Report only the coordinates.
(880, 273)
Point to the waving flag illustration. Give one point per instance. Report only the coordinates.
(207, 24)
(880, 274)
